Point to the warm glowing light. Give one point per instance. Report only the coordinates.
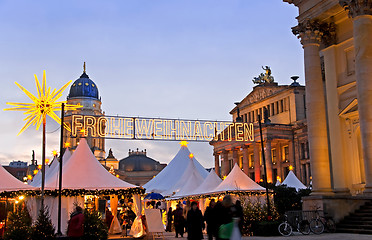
(184, 143)
(36, 171)
(24, 179)
(16, 201)
(39, 167)
(29, 177)
(44, 104)
(223, 177)
(290, 167)
(191, 155)
(261, 180)
(55, 153)
(46, 160)
(67, 144)
(117, 175)
(278, 178)
(21, 197)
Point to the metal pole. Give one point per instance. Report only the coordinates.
(265, 172)
(59, 232)
(43, 164)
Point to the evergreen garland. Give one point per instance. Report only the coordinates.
(19, 224)
(43, 228)
(94, 227)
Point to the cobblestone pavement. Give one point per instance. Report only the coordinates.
(324, 236)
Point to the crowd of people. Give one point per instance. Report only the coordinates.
(191, 219)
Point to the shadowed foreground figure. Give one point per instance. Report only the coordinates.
(195, 223)
(75, 229)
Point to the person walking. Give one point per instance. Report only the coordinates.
(75, 228)
(194, 223)
(169, 220)
(210, 218)
(225, 212)
(179, 220)
(239, 214)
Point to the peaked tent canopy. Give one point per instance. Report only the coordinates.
(237, 180)
(51, 169)
(170, 175)
(292, 181)
(83, 171)
(9, 183)
(187, 183)
(209, 184)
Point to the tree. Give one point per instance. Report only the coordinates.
(94, 227)
(43, 228)
(19, 224)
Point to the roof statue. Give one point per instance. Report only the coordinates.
(264, 78)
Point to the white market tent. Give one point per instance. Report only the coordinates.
(10, 183)
(187, 183)
(292, 181)
(83, 171)
(209, 184)
(172, 173)
(237, 180)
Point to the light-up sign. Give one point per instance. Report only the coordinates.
(159, 129)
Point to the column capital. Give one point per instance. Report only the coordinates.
(356, 8)
(315, 32)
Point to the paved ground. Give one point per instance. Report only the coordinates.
(324, 236)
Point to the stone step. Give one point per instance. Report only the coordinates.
(355, 218)
(352, 230)
(356, 226)
(356, 222)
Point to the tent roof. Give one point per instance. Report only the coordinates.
(187, 183)
(209, 184)
(83, 171)
(10, 183)
(237, 180)
(170, 175)
(292, 181)
(51, 169)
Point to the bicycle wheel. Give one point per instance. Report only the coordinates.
(331, 225)
(285, 229)
(316, 226)
(304, 227)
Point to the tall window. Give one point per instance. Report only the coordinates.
(281, 105)
(251, 160)
(286, 153)
(273, 155)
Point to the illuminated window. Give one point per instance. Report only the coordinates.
(285, 153)
(94, 105)
(92, 85)
(79, 84)
(273, 155)
(251, 160)
(86, 84)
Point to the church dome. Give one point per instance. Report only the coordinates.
(138, 161)
(83, 87)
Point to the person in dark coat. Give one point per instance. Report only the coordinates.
(179, 220)
(169, 220)
(210, 218)
(195, 223)
(239, 214)
(224, 212)
(75, 228)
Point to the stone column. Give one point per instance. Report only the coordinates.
(256, 156)
(235, 157)
(245, 160)
(361, 13)
(225, 163)
(307, 166)
(217, 163)
(279, 160)
(310, 33)
(269, 162)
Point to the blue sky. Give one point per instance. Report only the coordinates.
(152, 58)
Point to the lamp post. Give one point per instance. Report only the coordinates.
(59, 232)
(265, 172)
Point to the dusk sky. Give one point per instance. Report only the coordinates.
(187, 59)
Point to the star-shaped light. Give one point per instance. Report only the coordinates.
(184, 143)
(44, 104)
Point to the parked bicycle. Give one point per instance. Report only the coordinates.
(286, 228)
(319, 224)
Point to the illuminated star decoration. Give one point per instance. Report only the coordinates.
(184, 143)
(44, 104)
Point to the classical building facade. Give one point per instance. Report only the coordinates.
(284, 133)
(84, 92)
(337, 40)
